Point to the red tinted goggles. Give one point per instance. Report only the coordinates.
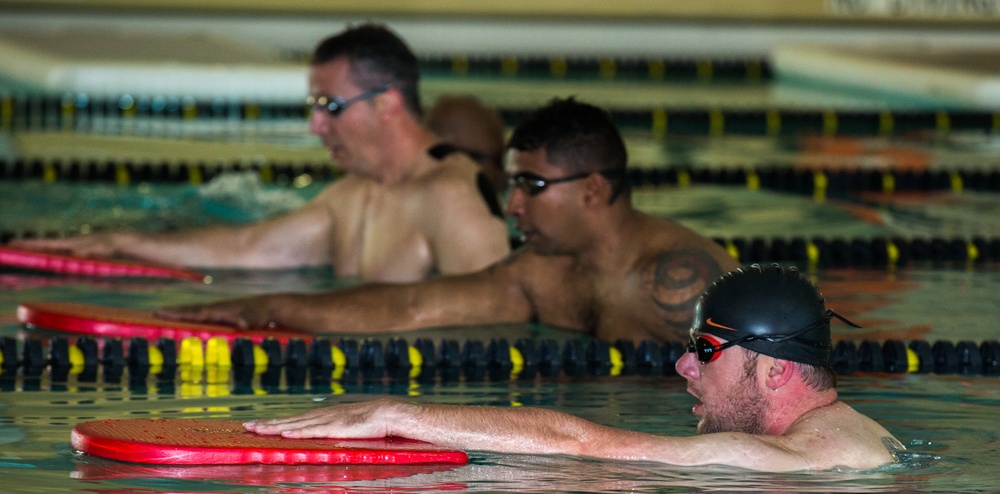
(707, 348)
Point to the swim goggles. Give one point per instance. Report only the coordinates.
(707, 347)
(534, 184)
(335, 105)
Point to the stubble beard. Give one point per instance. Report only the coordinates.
(744, 411)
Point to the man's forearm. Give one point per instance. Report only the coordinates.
(498, 429)
(363, 309)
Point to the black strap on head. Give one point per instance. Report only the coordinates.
(440, 151)
(489, 194)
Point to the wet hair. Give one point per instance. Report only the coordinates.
(818, 377)
(377, 57)
(578, 137)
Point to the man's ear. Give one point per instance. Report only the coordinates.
(779, 372)
(392, 101)
(598, 189)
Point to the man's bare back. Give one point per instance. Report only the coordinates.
(395, 232)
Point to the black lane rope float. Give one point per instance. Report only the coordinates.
(324, 360)
(825, 181)
(584, 68)
(78, 111)
(817, 181)
(816, 251)
(881, 252)
(127, 172)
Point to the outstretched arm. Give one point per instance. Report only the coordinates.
(494, 295)
(513, 430)
(299, 238)
(531, 431)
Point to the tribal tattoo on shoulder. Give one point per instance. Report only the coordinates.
(678, 279)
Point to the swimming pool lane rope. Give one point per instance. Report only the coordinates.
(122, 114)
(218, 361)
(879, 253)
(813, 252)
(818, 181)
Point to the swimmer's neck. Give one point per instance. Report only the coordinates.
(405, 154)
(793, 409)
(613, 249)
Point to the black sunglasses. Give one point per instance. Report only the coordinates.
(534, 184)
(335, 105)
(707, 348)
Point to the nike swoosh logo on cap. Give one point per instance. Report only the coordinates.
(714, 324)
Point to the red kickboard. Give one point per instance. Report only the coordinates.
(267, 475)
(213, 442)
(96, 320)
(84, 266)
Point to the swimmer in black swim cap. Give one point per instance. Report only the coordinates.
(755, 411)
(770, 310)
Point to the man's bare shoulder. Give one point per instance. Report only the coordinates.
(673, 279)
(447, 170)
(662, 233)
(527, 262)
(441, 182)
(839, 436)
(345, 184)
(346, 193)
(674, 265)
(671, 250)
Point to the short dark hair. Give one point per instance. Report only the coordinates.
(377, 57)
(576, 136)
(818, 377)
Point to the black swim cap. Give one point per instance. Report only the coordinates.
(773, 310)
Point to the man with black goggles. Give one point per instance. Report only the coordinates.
(400, 212)
(766, 397)
(590, 261)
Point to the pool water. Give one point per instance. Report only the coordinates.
(946, 421)
(33, 207)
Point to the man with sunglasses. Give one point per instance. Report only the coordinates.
(590, 262)
(404, 210)
(759, 365)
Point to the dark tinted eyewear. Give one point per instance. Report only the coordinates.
(534, 184)
(335, 105)
(707, 348)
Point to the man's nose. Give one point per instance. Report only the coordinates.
(515, 201)
(688, 366)
(318, 122)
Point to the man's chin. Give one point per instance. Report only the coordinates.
(541, 249)
(531, 241)
(708, 427)
(538, 245)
